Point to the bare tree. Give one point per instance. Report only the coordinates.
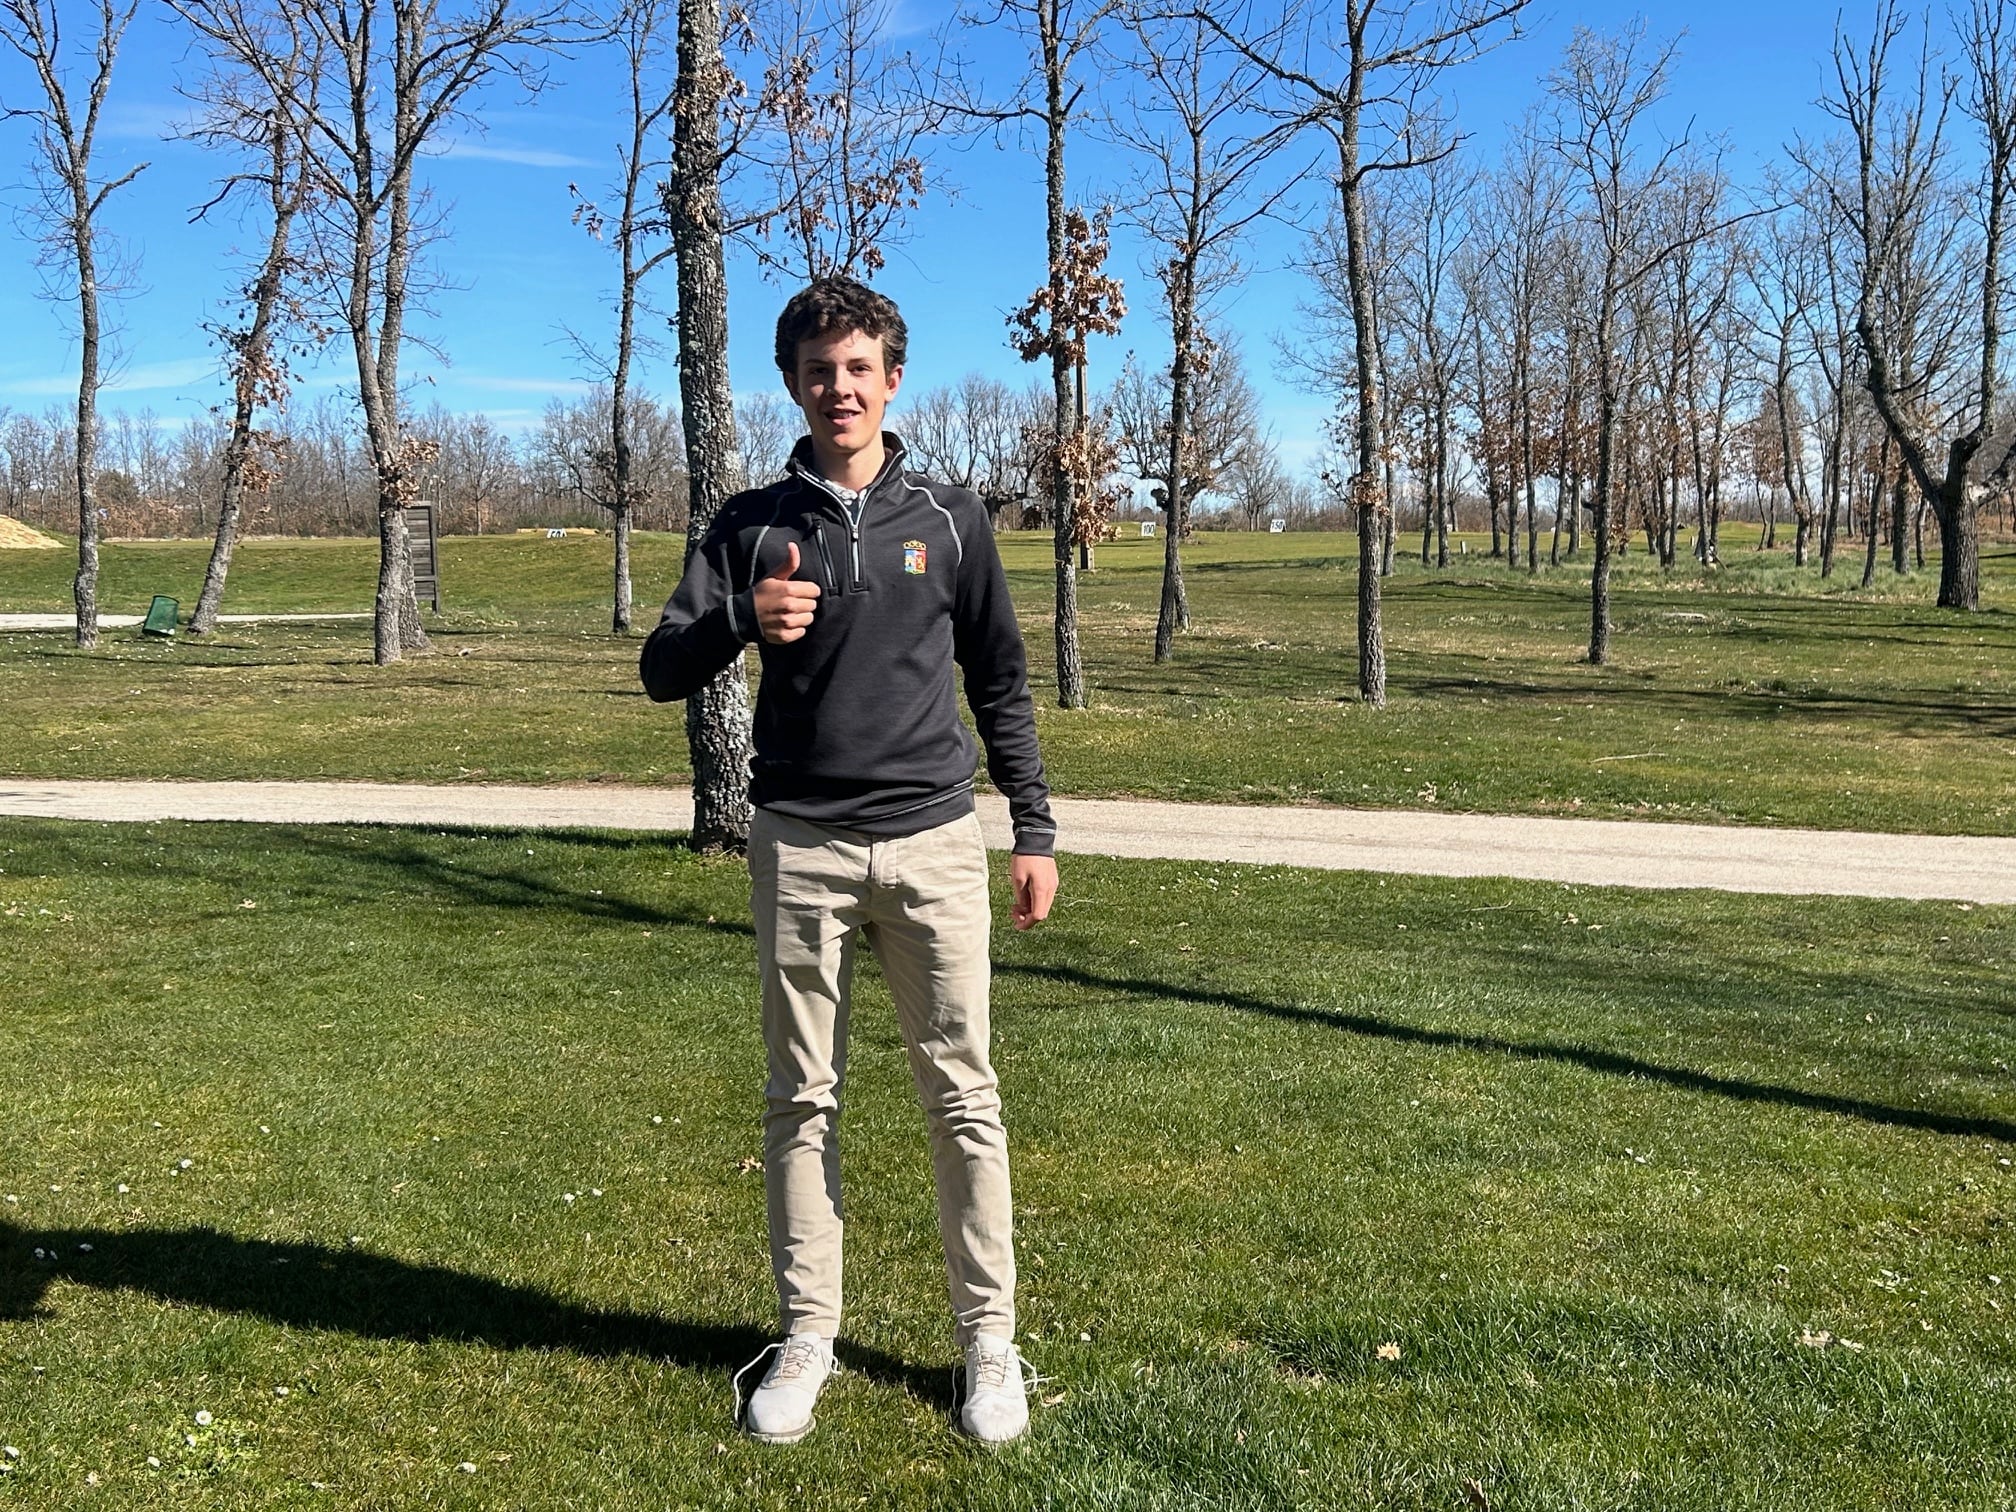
(241, 115)
(395, 74)
(68, 199)
(1688, 299)
(573, 444)
(765, 427)
(1785, 279)
(1323, 356)
(477, 467)
(630, 222)
(1257, 485)
(1605, 86)
(848, 121)
(1223, 431)
(975, 433)
(1195, 195)
(1350, 70)
(1528, 199)
(1058, 35)
(1425, 224)
(1901, 164)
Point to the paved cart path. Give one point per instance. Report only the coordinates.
(1596, 851)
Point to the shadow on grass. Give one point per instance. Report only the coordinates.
(497, 887)
(377, 1296)
(516, 889)
(1892, 714)
(1589, 1058)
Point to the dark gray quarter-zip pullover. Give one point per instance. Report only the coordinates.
(857, 722)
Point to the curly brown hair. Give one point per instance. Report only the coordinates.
(829, 305)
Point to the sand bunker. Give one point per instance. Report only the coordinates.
(16, 535)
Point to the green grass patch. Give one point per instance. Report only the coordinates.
(1595, 1162)
(1755, 694)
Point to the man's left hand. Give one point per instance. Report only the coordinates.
(1034, 879)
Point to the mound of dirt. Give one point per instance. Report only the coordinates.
(13, 534)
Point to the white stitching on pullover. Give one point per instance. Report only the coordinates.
(958, 546)
(756, 552)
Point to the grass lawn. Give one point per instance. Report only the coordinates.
(1664, 1201)
(1753, 695)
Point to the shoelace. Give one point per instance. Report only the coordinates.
(799, 1355)
(993, 1375)
(795, 1356)
(993, 1372)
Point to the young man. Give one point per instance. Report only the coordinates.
(862, 584)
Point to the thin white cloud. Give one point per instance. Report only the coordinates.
(515, 423)
(36, 388)
(525, 157)
(902, 18)
(146, 377)
(506, 385)
(163, 375)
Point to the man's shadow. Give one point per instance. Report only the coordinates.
(377, 1296)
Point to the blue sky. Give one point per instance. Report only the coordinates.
(519, 273)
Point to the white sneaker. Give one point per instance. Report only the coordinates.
(997, 1397)
(779, 1411)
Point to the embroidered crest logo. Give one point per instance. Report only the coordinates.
(913, 557)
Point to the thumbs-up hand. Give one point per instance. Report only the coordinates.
(784, 607)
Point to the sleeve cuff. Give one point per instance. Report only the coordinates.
(1035, 842)
(742, 616)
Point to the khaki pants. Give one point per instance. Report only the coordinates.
(921, 903)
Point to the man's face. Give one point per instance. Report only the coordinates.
(843, 388)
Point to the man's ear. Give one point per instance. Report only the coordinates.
(791, 387)
(895, 380)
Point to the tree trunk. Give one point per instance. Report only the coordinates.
(1836, 483)
(1367, 494)
(1431, 511)
(211, 600)
(1182, 310)
(1443, 509)
(397, 627)
(1900, 522)
(84, 588)
(1063, 500)
(1606, 447)
(717, 717)
(620, 621)
(412, 633)
(1959, 545)
(619, 444)
(1526, 468)
(394, 552)
(1876, 486)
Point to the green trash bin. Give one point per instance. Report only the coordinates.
(160, 616)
